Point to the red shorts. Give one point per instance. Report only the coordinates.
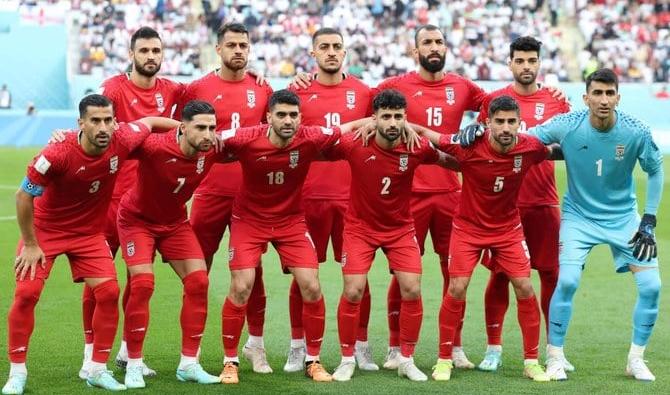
(541, 226)
(401, 250)
(210, 215)
(111, 232)
(434, 212)
(509, 253)
(139, 241)
(325, 221)
(248, 241)
(89, 255)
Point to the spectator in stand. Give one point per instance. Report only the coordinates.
(5, 97)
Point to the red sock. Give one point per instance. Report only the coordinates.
(411, 316)
(256, 305)
(393, 300)
(364, 320)
(124, 300)
(496, 301)
(21, 319)
(136, 321)
(193, 311)
(348, 316)
(444, 267)
(314, 321)
(451, 313)
(528, 314)
(232, 321)
(105, 319)
(295, 311)
(87, 309)
(548, 280)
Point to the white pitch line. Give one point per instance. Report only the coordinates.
(8, 187)
(8, 218)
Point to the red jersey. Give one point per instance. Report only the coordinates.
(439, 106)
(238, 104)
(539, 185)
(332, 105)
(273, 177)
(381, 185)
(491, 181)
(131, 102)
(166, 180)
(78, 187)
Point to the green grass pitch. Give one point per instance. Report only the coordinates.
(597, 342)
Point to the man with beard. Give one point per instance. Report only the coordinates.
(538, 198)
(152, 216)
(379, 217)
(239, 102)
(331, 99)
(487, 218)
(61, 208)
(134, 95)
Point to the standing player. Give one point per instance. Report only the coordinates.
(538, 198)
(332, 98)
(139, 93)
(379, 217)
(488, 218)
(73, 182)
(239, 102)
(275, 160)
(152, 216)
(601, 146)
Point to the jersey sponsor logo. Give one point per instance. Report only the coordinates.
(450, 95)
(371, 157)
(79, 170)
(351, 99)
(518, 160)
(539, 111)
(293, 158)
(261, 158)
(171, 160)
(130, 248)
(313, 97)
(418, 94)
(200, 166)
(327, 131)
(218, 97)
(160, 103)
(113, 164)
(133, 102)
(619, 152)
(251, 98)
(134, 127)
(42, 164)
(404, 162)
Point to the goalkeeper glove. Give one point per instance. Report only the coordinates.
(643, 242)
(469, 134)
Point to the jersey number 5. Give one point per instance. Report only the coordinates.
(498, 184)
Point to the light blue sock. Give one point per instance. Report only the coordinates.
(646, 309)
(560, 308)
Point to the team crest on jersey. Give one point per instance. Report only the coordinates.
(351, 99)
(450, 95)
(344, 259)
(620, 150)
(231, 254)
(404, 162)
(518, 159)
(113, 164)
(293, 158)
(539, 111)
(251, 98)
(130, 248)
(200, 166)
(160, 103)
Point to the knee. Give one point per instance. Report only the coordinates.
(353, 293)
(568, 280)
(142, 285)
(28, 291)
(648, 284)
(524, 289)
(311, 291)
(457, 290)
(196, 283)
(107, 292)
(240, 290)
(411, 291)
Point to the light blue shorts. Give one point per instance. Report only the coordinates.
(579, 235)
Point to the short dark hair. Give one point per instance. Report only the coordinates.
(196, 107)
(503, 103)
(389, 98)
(421, 28)
(145, 32)
(325, 31)
(93, 100)
(526, 43)
(234, 27)
(606, 76)
(283, 96)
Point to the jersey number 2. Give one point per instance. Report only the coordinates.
(386, 184)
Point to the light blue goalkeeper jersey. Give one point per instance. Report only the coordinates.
(600, 164)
